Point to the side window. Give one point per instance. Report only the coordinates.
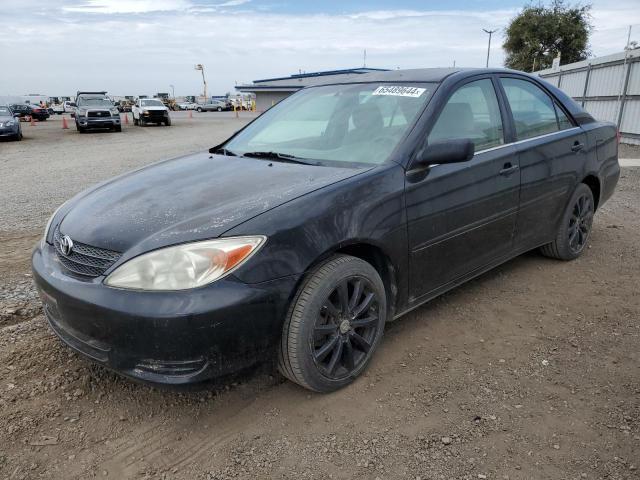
(533, 111)
(471, 112)
(563, 120)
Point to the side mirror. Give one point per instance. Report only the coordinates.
(445, 151)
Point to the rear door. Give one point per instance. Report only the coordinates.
(551, 149)
(461, 216)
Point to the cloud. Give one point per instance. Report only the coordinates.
(133, 48)
(128, 6)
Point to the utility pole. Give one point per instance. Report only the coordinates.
(490, 32)
(200, 67)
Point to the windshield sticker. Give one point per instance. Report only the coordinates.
(398, 91)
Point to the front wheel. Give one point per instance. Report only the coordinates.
(118, 128)
(575, 226)
(199, 109)
(167, 122)
(334, 325)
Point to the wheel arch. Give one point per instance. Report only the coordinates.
(593, 182)
(371, 253)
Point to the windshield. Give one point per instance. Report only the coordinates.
(354, 123)
(152, 103)
(4, 110)
(94, 102)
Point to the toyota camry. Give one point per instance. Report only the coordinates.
(337, 210)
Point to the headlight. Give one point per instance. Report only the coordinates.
(10, 123)
(145, 112)
(115, 111)
(185, 266)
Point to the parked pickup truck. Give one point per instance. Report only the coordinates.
(96, 110)
(150, 110)
(64, 107)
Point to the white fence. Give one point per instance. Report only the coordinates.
(607, 87)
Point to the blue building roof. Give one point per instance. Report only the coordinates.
(345, 71)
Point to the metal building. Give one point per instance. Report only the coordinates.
(607, 87)
(271, 90)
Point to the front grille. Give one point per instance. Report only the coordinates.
(99, 113)
(156, 114)
(84, 259)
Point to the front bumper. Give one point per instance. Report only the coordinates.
(163, 337)
(9, 131)
(98, 122)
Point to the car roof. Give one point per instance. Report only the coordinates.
(426, 75)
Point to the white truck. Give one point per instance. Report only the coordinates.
(150, 110)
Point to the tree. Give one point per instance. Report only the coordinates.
(538, 33)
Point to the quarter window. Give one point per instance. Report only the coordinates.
(534, 113)
(471, 112)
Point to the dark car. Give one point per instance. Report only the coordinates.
(9, 123)
(25, 110)
(339, 209)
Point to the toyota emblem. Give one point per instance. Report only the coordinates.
(66, 245)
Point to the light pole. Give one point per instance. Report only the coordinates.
(173, 92)
(490, 32)
(200, 67)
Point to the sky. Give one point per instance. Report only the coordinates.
(141, 47)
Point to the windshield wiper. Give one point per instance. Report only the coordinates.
(281, 157)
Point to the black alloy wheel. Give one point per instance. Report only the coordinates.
(345, 328)
(334, 325)
(580, 223)
(574, 228)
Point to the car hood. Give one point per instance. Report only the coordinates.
(186, 199)
(6, 118)
(154, 108)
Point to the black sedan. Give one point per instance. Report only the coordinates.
(33, 111)
(9, 124)
(340, 209)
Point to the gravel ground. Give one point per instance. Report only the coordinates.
(51, 165)
(530, 371)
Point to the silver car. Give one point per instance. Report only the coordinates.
(214, 106)
(9, 124)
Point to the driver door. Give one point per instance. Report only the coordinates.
(462, 216)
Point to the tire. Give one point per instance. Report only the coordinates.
(574, 228)
(135, 121)
(219, 109)
(141, 122)
(199, 109)
(117, 128)
(167, 122)
(18, 136)
(80, 129)
(321, 348)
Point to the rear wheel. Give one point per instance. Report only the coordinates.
(575, 226)
(334, 325)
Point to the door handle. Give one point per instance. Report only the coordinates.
(508, 169)
(577, 146)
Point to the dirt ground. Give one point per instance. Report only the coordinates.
(531, 371)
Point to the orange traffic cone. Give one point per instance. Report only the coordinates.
(32, 122)
(65, 125)
(126, 119)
